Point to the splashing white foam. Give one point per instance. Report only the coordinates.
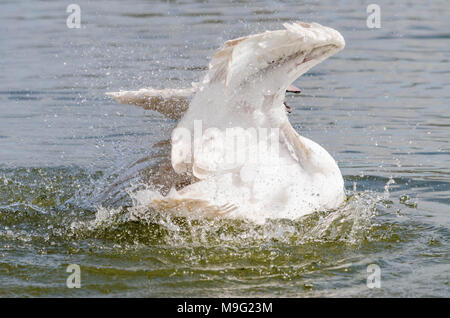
(350, 224)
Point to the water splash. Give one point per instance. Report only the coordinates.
(140, 223)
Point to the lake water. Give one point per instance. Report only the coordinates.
(381, 107)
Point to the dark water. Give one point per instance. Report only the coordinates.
(380, 107)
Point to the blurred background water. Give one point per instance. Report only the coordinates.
(380, 107)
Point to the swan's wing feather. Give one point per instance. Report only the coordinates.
(245, 87)
(172, 103)
(240, 58)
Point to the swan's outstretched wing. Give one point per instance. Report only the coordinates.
(172, 103)
(300, 44)
(245, 88)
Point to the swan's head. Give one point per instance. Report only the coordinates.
(274, 59)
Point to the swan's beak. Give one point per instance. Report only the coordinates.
(293, 89)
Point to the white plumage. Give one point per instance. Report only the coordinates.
(235, 138)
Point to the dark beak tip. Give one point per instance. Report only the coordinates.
(293, 89)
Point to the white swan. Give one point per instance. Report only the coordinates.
(234, 137)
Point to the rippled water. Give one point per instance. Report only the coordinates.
(380, 107)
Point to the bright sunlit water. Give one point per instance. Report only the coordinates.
(381, 107)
